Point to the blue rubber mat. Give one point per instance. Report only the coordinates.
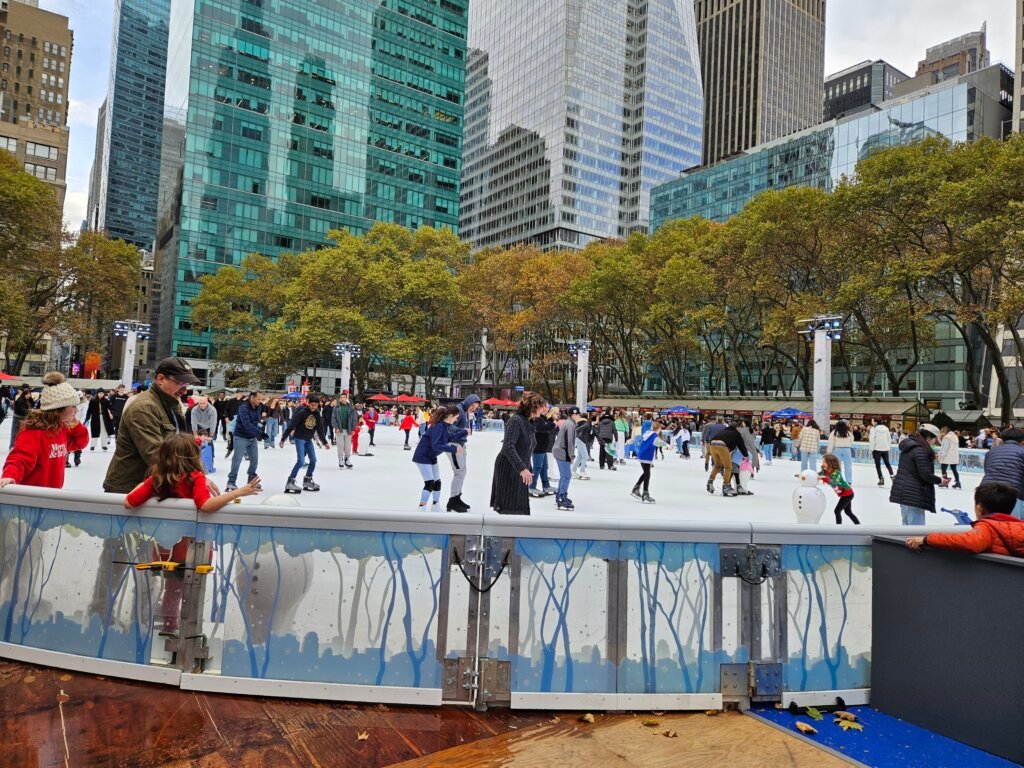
(887, 742)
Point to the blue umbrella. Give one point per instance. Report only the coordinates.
(678, 410)
(791, 413)
(294, 396)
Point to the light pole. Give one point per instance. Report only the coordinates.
(345, 352)
(131, 331)
(825, 329)
(580, 350)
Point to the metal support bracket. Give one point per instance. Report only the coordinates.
(751, 563)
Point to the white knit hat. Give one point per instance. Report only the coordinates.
(57, 393)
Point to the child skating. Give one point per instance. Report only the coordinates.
(650, 442)
(408, 425)
(436, 440)
(831, 473)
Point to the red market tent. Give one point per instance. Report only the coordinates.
(382, 398)
(8, 377)
(409, 399)
(493, 401)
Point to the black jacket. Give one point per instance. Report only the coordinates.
(304, 424)
(606, 428)
(733, 440)
(1005, 464)
(585, 432)
(545, 431)
(768, 436)
(915, 481)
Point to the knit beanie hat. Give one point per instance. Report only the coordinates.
(57, 393)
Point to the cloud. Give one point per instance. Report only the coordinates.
(75, 204)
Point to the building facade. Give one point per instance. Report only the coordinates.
(763, 65)
(1019, 68)
(125, 178)
(35, 69)
(574, 110)
(860, 87)
(959, 56)
(295, 118)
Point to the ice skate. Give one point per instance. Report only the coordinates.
(309, 485)
(536, 494)
(348, 464)
(711, 487)
(455, 504)
(230, 487)
(292, 487)
(635, 493)
(549, 492)
(729, 491)
(647, 498)
(407, 448)
(564, 502)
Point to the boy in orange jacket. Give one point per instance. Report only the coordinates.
(995, 530)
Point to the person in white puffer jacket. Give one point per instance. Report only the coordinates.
(881, 442)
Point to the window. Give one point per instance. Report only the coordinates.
(41, 150)
(46, 47)
(63, 51)
(11, 145)
(41, 172)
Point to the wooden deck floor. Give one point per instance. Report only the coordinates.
(52, 718)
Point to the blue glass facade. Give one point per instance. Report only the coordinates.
(299, 117)
(128, 158)
(817, 157)
(574, 111)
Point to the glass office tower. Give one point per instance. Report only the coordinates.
(574, 109)
(127, 164)
(296, 117)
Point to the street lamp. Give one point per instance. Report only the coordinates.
(580, 351)
(824, 329)
(132, 331)
(345, 352)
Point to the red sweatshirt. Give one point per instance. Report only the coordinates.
(38, 457)
(189, 487)
(408, 423)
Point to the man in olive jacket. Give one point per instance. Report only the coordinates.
(148, 418)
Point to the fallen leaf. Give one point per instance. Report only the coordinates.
(658, 714)
(29, 678)
(805, 728)
(65, 678)
(847, 725)
(712, 712)
(670, 734)
(362, 736)
(62, 697)
(100, 677)
(650, 723)
(587, 718)
(814, 714)
(846, 716)
(554, 719)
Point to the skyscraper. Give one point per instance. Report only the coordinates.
(763, 63)
(35, 68)
(860, 87)
(290, 119)
(574, 110)
(1019, 68)
(92, 208)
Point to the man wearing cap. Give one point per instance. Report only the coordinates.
(246, 438)
(147, 419)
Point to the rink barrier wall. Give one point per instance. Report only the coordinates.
(395, 607)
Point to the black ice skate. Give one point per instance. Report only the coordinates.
(564, 502)
(292, 487)
(647, 498)
(635, 493)
(309, 485)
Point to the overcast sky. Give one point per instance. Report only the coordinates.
(895, 30)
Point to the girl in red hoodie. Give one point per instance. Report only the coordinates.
(46, 438)
(408, 424)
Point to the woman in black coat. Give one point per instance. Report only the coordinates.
(99, 413)
(913, 487)
(512, 476)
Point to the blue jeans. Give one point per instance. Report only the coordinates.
(845, 455)
(540, 472)
(304, 449)
(429, 473)
(807, 460)
(911, 515)
(1018, 509)
(564, 476)
(244, 447)
(580, 464)
(272, 426)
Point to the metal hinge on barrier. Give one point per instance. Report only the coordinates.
(758, 681)
(461, 680)
(751, 563)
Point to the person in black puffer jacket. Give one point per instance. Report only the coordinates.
(1005, 464)
(545, 431)
(913, 488)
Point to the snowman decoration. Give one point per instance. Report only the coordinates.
(808, 500)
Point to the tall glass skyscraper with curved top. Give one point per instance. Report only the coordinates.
(574, 110)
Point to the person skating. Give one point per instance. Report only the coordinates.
(460, 460)
(511, 480)
(305, 426)
(247, 433)
(584, 436)
(346, 420)
(650, 441)
(370, 419)
(722, 445)
(545, 429)
(439, 438)
(100, 417)
(831, 473)
(562, 452)
(605, 440)
(407, 425)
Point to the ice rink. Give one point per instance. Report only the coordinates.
(387, 480)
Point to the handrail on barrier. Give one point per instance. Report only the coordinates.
(579, 611)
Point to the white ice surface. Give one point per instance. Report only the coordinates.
(388, 481)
